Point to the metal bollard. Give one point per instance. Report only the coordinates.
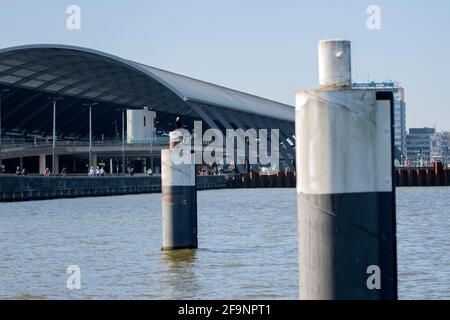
(345, 189)
(179, 201)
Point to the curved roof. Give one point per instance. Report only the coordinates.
(99, 76)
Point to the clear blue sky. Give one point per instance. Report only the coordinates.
(268, 48)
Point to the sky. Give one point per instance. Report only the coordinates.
(267, 48)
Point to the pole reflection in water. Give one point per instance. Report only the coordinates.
(180, 275)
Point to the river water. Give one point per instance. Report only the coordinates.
(247, 239)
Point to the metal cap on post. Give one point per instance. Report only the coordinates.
(345, 193)
(335, 64)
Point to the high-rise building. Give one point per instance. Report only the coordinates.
(422, 145)
(445, 137)
(427, 144)
(399, 109)
(437, 146)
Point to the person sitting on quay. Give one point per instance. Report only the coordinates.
(18, 171)
(64, 171)
(47, 172)
(97, 171)
(24, 172)
(102, 172)
(91, 172)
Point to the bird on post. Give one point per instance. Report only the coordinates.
(176, 136)
(178, 123)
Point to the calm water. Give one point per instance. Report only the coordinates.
(247, 238)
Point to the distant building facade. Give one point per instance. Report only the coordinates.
(445, 138)
(441, 147)
(425, 145)
(399, 109)
(422, 146)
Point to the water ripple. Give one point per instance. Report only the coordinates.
(248, 247)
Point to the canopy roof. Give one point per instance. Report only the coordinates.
(98, 76)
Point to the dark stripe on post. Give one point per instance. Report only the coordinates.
(179, 217)
(346, 232)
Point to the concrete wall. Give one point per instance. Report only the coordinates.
(13, 188)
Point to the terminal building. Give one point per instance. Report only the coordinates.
(108, 111)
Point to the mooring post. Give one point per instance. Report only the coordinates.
(345, 190)
(179, 196)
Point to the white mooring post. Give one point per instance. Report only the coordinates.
(345, 191)
(179, 197)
